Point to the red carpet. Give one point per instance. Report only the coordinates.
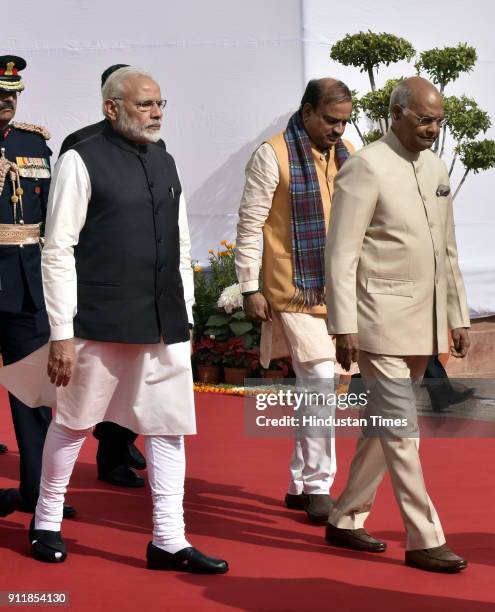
(233, 509)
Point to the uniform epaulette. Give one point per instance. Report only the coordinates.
(31, 127)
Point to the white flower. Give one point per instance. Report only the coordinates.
(230, 298)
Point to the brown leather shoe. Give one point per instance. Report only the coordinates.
(295, 502)
(357, 539)
(438, 559)
(317, 507)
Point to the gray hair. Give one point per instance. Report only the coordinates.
(401, 94)
(114, 84)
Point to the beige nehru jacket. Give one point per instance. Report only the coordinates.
(391, 257)
(265, 211)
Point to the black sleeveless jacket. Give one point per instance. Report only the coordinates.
(129, 287)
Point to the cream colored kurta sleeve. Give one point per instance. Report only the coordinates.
(262, 178)
(185, 264)
(70, 192)
(353, 204)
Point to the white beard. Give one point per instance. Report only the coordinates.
(133, 131)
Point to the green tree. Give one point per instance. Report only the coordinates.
(465, 121)
(368, 51)
(375, 104)
(444, 66)
(476, 155)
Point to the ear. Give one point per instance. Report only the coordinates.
(307, 109)
(396, 112)
(111, 109)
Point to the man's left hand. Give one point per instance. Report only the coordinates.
(460, 337)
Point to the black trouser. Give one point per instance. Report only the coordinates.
(113, 445)
(438, 385)
(20, 334)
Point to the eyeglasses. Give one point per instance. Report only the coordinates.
(425, 120)
(147, 105)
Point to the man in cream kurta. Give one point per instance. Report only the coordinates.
(393, 289)
(289, 328)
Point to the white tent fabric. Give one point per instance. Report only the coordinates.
(233, 72)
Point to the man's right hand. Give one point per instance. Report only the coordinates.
(346, 349)
(257, 308)
(61, 361)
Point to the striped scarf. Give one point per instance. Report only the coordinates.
(308, 219)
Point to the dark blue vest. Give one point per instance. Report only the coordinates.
(129, 287)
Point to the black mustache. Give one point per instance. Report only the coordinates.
(5, 106)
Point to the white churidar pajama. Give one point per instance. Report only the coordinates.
(313, 463)
(166, 461)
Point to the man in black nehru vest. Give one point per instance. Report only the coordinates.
(117, 453)
(119, 292)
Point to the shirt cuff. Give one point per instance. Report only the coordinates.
(62, 332)
(190, 317)
(252, 285)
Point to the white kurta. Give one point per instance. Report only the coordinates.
(145, 387)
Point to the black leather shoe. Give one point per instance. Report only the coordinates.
(318, 508)
(186, 560)
(122, 476)
(438, 559)
(47, 546)
(450, 399)
(10, 501)
(357, 539)
(136, 459)
(295, 502)
(3, 449)
(69, 512)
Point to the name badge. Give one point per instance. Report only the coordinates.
(33, 167)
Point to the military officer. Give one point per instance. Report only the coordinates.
(24, 184)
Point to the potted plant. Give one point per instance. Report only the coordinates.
(238, 361)
(209, 283)
(221, 325)
(207, 357)
(278, 368)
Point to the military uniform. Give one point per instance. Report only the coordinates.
(24, 184)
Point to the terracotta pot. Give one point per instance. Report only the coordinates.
(208, 373)
(273, 374)
(235, 376)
